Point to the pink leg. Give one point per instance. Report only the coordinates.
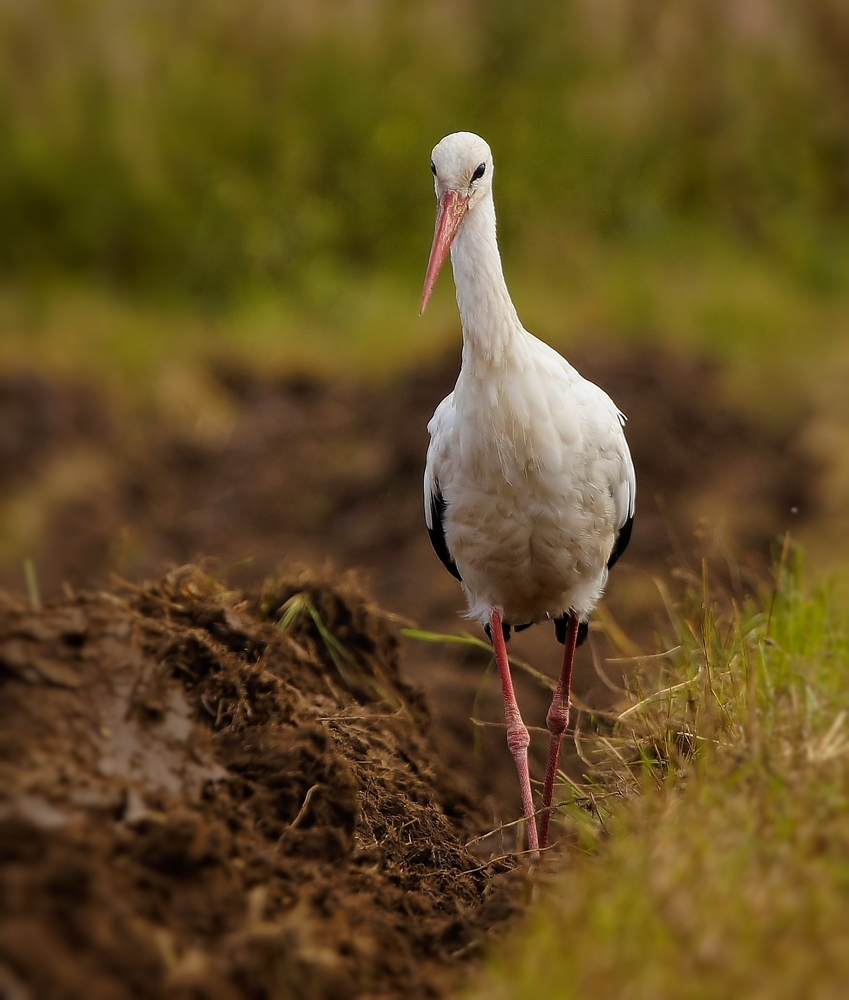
(518, 738)
(557, 720)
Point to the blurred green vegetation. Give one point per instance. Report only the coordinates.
(217, 150)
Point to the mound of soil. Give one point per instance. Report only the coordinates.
(209, 795)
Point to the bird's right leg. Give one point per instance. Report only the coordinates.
(518, 738)
(557, 721)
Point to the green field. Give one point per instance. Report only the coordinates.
(661, 171)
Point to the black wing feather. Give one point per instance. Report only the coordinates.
(437, 534)
(622, 538)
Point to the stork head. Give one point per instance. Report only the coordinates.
(462, 175)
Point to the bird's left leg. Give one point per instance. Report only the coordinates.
(518, 738)
(557, 720)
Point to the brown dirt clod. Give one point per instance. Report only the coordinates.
(210, 795)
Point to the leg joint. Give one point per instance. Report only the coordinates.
(557, 718)
(518, 737)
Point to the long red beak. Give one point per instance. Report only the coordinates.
(452, 209)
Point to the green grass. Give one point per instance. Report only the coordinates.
(776, 336)
(218, 151)
(716, 863)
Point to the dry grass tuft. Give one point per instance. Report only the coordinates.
(712, 849)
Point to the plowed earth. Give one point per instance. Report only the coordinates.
(304, 469)
(197, 802)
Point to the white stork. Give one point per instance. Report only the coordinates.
(529, 484)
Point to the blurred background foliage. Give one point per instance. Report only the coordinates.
(211, 150)
(195, 178)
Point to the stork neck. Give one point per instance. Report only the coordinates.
(487, 312)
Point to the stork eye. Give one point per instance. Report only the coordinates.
(433, 168)
(479, 172)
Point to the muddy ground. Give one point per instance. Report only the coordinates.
(301, 469)
(199, 803)
(195, 803)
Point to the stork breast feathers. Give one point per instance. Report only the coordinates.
(537, 483)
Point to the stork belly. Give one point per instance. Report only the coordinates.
(528, 559)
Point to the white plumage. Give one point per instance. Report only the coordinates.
(529, 484)
(529, 457)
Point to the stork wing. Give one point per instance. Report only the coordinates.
(624, 500)
(436, 530)
(434, 501)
